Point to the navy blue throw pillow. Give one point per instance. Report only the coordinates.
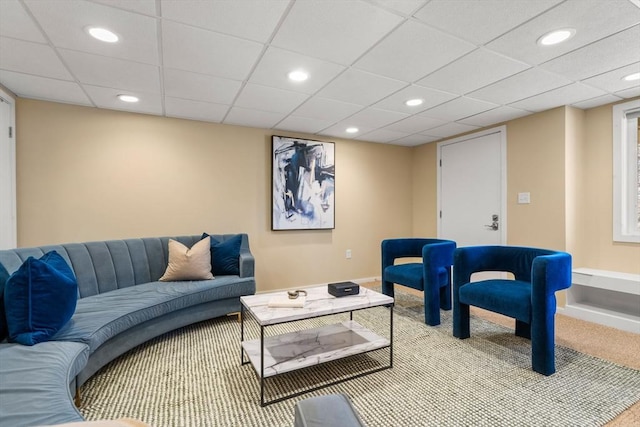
(4, 276)
(225, 256)
(40, 298)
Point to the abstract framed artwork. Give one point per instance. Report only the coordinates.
(303, 184)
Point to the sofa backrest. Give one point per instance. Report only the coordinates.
(108, 265)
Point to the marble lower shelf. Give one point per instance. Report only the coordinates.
(310, 347)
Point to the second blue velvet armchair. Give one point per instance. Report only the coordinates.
(529, 299)
(432, 275)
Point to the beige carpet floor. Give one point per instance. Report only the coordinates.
(611, 344)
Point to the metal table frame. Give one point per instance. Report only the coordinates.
(263, 403)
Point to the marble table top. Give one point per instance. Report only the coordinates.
(319, 302)
(300, 349)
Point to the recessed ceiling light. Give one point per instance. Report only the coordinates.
(557, 36)
(128, 98)
(352, 130)
(298, 76)
(414, 102)
(631, 77)
(102, 34)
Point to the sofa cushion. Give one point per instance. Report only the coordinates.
(4, 276)
(34, 382)
(40, 297)
(188, 264)
(101, 317)
(225, 255)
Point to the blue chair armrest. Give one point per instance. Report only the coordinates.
(436, 256)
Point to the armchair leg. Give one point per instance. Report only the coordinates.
(523, 329)
(432, 306)
(387, 288)
(461, 320)
(445, 297)
(543, 348)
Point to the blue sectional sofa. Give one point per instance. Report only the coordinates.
(120, 305)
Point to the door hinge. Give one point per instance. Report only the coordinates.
(10, 131)
(440, 214)
(440, 162)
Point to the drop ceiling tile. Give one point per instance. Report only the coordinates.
(31, 58)
(495, 116)
(64, 23)
(266, 98)
(359, 87)
(592, 20)
(339, 131)
(338, 31)
(207, 52)
(328, 110)
(195, 110)
(415, 124)
(523, 85)
(16, 23)
(252, 118)
(458, 108)
(375, 118)
(146, 7)
(199, 87)
(629, 93)
(404, 7)
(412, 51)
(111, 72)
(396, 102)
(150, 103)
(473, 71)
(480, 21)
(36, 87)
(450, 129)
(248, 19)
(612, 81)
(275, 65)
(597, 101)
(302, 124)
(608, 54)
(382, 135)
(414, 140)
(565, 95)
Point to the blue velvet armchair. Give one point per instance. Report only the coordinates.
(529, 299)
(432, 275)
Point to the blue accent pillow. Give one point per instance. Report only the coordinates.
(225, 256)
(4, 276)
(40, 298)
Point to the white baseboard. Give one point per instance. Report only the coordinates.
(358, 281)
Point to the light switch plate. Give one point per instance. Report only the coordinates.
(524, 198)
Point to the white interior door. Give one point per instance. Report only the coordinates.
(472, 188)
(7, 174)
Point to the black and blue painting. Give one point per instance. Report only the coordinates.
(303, 184)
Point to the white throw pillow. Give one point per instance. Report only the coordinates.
(188, 264)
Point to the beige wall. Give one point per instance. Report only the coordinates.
(599, 249)
(90, 174)
(425, 190)
(536, 164)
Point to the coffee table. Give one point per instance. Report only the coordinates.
(277, 354)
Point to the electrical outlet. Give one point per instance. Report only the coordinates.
(348, 254)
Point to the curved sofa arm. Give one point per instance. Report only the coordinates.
(246, 260)
(247, 264)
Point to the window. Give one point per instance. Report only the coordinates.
(626, 172)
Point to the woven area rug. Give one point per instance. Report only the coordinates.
(193, 377)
